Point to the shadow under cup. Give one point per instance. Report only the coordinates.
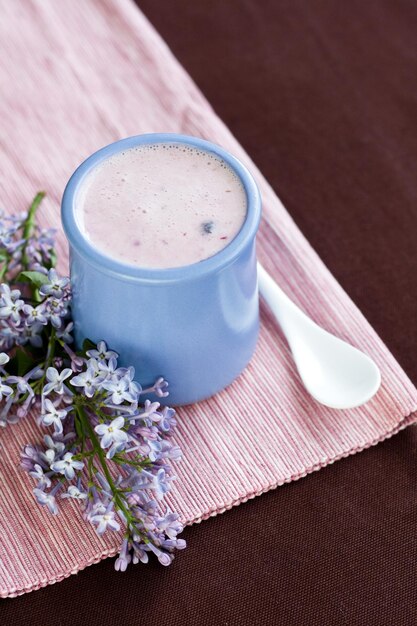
(195, 325)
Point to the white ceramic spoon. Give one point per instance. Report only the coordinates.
(333, 372)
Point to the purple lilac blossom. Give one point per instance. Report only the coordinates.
(112, 432)
(56, 380)
(69, 389)
(102, 353)
(55, 285)
(47, 499)
(53, 416)
(67, 466)
(124, 429)
(105, 521)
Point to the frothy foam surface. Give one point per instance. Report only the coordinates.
(161, 205)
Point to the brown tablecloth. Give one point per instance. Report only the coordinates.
(323, 96)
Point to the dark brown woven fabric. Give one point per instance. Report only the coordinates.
(323, 96)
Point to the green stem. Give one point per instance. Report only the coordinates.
(50, 353)
(3, 270)
(51, 348)
(30, 224)
(137, 464)
(97, 448)
(28, 228)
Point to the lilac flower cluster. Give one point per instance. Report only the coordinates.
(93, 408)
(24, 243)
(22, 321)
(106, 448)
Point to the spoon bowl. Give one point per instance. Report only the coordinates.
(335, 373)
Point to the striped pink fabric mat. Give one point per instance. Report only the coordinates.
(74, 78)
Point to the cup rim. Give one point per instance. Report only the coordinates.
(144, 274)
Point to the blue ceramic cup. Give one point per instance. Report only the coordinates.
(195, 325)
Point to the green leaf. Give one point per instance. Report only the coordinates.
(12, 366)
(36, 278)
(53, 258)
(88, 345)
(24, 361)
(79, 428)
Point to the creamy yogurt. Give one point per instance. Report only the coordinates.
(161, 205)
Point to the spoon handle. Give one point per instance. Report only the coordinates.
(287, 313)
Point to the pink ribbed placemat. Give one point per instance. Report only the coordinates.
(72, 79)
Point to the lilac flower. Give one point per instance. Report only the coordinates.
(5, 390)
(6, 234)
(159, 484)
(10, 304)
(109, 368)
(31, 334)
(4, 358)
(115, 449)
(163, 557)
(5, 416)
(160, 388)
(112, 433)
(35, 314)
(139, 554)
(53, 416)
(120, 390)
(137, 481)
(38, 474)
(21, 411)
(67, 466)
(10, 294)
(65, 333)
(46, 499)
(75, 493)
(15, 249)
(22, 385)
(150, 413)
(105, 520)
(94, 505)
(51, 455)
(34, 374)
(29, 457)
(24, 389)
(102, 352)
(34, 257)
(167, 422)
(57, 447)
(154, 449)
(149, 507)
(55, 310)
(124, 557)
(77, 362)
(87, 380)
(56, 285)
(56, 380)
(171, 544)
(45, 243)
(170, 524)
(169, 451)
(8, 337)
(102, 480)
(146, 432)
(134, 387)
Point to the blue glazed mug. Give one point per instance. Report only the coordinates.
(195, 325)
